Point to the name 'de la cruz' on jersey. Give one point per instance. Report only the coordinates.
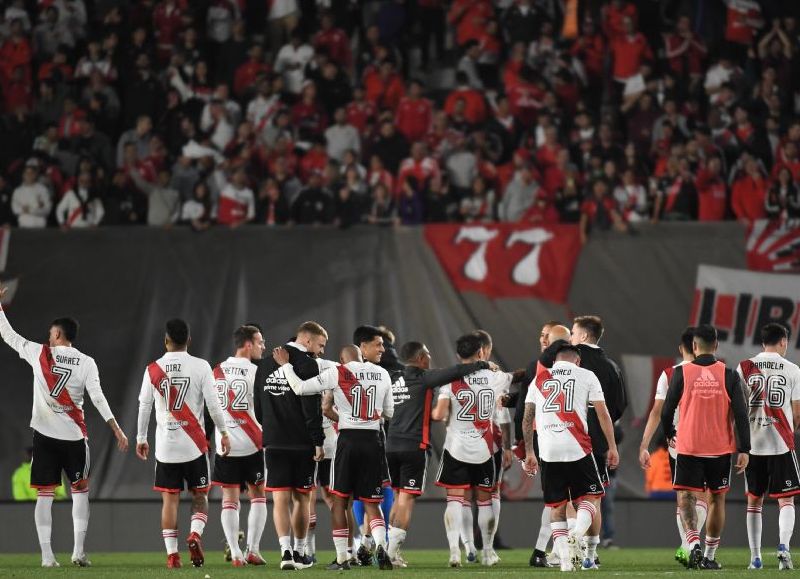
(235, 382)
(562, 396)
(178, 384)
(473, 404)
(60, 376)
(771, 384)
(362, 392)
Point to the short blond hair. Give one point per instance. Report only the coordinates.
(312, 328)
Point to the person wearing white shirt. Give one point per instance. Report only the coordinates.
(80, 207)
(291, 62)
(31, 201)
(341, 137)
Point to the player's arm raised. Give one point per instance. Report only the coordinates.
(531, 463)
(99, 400)
(215, 410)
(27, 350)
(146, 400)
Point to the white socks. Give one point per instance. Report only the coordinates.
(785, 523)
(230, 526)
(80, 520)
(681, 530)
(199, 523)
(711, 547)
(397, 537)
(256, 520)
(43, 515)
(170, 540)
(545, 531)
(467, 526)
(496, 515)
(591, 546)
(378, 528)
(286, 543)
(300, 545)
(340, 543)
(453, 521)
(312, 534)
(560, 533)
(585, 514)
(754, 530)
(486, 523)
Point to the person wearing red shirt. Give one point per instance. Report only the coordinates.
(685, 50)
(469, 18)
(17, 91)
(308, 117)
(360, 112)
(414, 114)
(378, 175)
(614, 15)
(590, 48)
(168, 22)
(419, 166)
(333, 41)
(249, 71)
(749, 193)
(743, 20)
(474, 103)
(600, 211)
(513, 67)
(15, 51)
(69, 124)
(712, 193)
(788, 159)
(525, 100)
(383, 86)
(314, 161)
(629, 51)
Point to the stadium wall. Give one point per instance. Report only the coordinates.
(123, 283)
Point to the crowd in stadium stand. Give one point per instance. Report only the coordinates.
(604, 113)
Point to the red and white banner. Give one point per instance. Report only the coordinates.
(641, 377)
(740, 302)
(773, 246)
(508, 259)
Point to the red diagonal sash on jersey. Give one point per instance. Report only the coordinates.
(482, 425)
(348, 381)
(73, 217)
(776, 414)
(242, 417)
(577, 429)
(64, 399)
(184, 416)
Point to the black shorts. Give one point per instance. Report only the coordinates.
(454, 474)
(774, 474)
(239, 471)
(570, 481)
(696, 473)
(600, 460)
(324, 473)
(170, 476)
(51, 456)
(672, 467)
(408, 470)
(290, 470)
(358, 466)
(386, 475)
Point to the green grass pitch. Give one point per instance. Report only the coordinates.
(625, 562)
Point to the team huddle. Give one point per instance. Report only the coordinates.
(358, 428)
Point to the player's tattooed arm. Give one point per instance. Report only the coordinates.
(531, 465)
(328, 410)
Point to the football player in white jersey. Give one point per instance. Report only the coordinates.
(362, 393)
(653, 421)
(467, 461)
(772, 388)
(180, 384)
(61, 375)
(559, 399)
(244, 466)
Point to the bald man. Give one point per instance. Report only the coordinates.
(362, 393)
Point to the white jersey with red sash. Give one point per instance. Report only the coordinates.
(234, 379)
(661, 394)
(235, 205)
(562, 395)
(771, 384)
(362, 392)
(473, 403)
(178, 384)
(61, 374)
